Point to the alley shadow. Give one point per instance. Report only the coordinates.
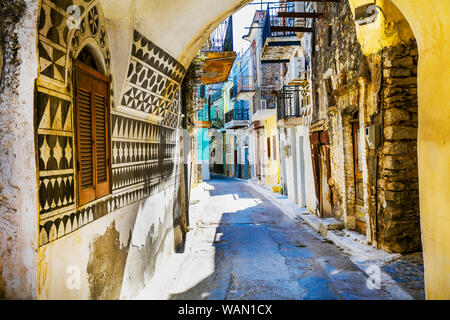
(259, 253)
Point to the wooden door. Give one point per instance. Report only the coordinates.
(357, 164)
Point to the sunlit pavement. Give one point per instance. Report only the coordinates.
(244, 247)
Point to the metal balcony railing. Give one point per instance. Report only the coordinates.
(246, 84)
(289, 102)
(237, 114)
(272, 20)
(264, 100)
(215, 95)
(221, 39)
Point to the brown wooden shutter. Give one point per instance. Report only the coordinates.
(101, 140)
(92, 120)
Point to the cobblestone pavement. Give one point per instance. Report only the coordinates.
(408, 273)
(244, 247)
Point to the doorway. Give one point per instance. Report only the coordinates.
(320, 153)
(357, 165)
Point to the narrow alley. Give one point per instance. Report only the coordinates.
(224, 150)
(247, 248)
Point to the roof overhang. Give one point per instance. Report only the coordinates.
(280, 48)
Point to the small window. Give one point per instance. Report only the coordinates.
(268, 148)
(92, 133)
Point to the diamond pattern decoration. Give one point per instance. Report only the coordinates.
(52, 62)
(153, 79)
(55, 192)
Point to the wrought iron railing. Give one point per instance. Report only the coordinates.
(215, 95)
(272, 20)
(237, 114)
(264, 100)
(246, 84)
(289, 102)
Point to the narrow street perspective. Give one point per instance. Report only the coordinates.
(224, 150)
(247, 248)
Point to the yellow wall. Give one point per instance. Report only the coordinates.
(272, 166)
(430, 23)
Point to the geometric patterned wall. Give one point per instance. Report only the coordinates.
(153, 81)
(143, 125)
(57, 45)
(143, 147)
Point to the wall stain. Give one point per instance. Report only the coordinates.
(107, 264)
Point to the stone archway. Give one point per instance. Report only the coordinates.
(430, 22)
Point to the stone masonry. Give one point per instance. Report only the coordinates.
(382, 88)
(399, 219)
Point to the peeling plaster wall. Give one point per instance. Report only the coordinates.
(117, 242)
(18, 204)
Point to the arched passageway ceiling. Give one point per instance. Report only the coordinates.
(178, 26)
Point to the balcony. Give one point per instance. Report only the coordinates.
(219, 53)
(279, 35)
(237, 118)
(290, 106)
(264, 105)
(246, 87)
(233, 92)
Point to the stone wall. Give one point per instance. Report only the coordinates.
(337, 66)
(382, 88)
(399, 215)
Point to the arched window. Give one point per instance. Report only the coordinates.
(92, 119)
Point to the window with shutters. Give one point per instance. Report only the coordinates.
(92, 132)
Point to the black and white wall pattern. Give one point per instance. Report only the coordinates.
(144, 125)
(58, 42)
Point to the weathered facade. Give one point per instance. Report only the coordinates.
(145, 149)
(35, 62)
(368, 106)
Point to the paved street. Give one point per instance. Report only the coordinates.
(244, 247)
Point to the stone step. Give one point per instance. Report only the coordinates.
(329, 224)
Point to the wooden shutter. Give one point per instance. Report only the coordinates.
(92, 122)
